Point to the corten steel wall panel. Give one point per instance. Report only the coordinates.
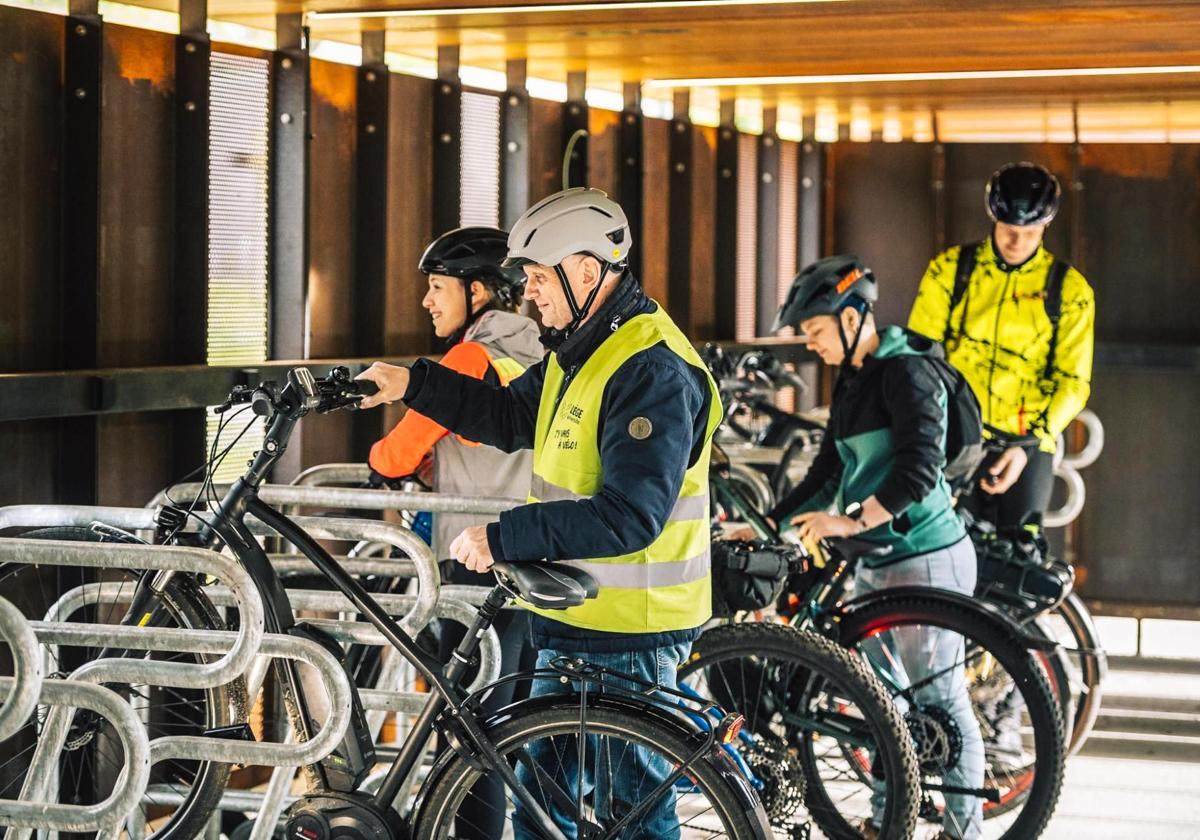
(655, 221)
(27, 470)
(883, 212)
(135, 455)
(1140, 215)
(410, 188)
(137, 199)
(332, 119)
(704, 233)
(331, 213)
(1139, 534)
(31, 46)
(604, 134)
(545, 149)
(968, 166)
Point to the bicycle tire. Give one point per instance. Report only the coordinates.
(827, 660)
(223, 705)
(1092, 664)
(454, 776)
(1039, 798)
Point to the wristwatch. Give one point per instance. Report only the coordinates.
(854, 511)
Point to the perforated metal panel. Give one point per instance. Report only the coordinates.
(479, 196)
(747, 235)
(238, 231)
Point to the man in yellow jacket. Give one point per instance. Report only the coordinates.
(1018, 322)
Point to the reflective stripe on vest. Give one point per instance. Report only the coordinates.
(667, 585)
(507, 369)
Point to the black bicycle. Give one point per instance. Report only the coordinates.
(590, 743)
(1002, 668)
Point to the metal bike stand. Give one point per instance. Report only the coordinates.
(28, 815)
(289, 495)
(41, 780)
(22, 700)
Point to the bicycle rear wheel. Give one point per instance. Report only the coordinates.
(182, 793)
(704, 803)
(810, 706)
(1013, 705)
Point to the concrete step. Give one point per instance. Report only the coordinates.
(1147, 721)
(1118, 703)
(1143, 745)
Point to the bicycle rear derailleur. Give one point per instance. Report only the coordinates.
(330, 815)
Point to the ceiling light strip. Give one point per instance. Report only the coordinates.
(931, 76)
(548, 8)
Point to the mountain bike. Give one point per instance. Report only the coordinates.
(592, 734)
(1003, 667)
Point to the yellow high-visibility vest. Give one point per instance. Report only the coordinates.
(667, 585)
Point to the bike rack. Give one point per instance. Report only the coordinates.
(22, 700)
(420, 609)
(290, 495)
(132, 780)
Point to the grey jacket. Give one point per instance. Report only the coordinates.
(481, 470)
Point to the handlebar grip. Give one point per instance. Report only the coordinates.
(366, 387)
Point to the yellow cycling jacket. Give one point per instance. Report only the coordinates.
(999, 337)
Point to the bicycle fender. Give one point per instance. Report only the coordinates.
(988, 612)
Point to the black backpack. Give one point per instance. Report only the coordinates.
(964, 424)
(1051, 298)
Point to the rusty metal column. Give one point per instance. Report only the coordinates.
(370, 221)
(725, 247)
(811, 202)
(679, 215)
(630, 182)
(289, 191)
(189, 337)
(939, 191)
(447, 143)
(768, 225)
(288, 327)
(370, 197)
(83, 52)
(575, 118)
(514, 146)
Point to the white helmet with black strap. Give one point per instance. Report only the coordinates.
(579, 220)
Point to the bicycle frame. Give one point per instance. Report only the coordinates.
(450, 707)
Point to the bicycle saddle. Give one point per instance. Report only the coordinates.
(855, 549)
(551, 586)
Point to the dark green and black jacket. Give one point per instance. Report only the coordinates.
(886, 438)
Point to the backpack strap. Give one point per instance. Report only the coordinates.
(962, 276)
(1052, 299)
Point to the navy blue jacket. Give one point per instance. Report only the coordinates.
(641, 482)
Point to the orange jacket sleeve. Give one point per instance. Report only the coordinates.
(401, 452)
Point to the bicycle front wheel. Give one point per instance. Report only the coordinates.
(813, 711)
(607, 783)
(978, 702)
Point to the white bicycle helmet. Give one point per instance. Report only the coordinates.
(579, 220)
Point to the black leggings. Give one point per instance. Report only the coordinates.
(1024, 503)
(481, 816)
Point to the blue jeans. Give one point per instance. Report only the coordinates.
(613, 773)
(906, 655)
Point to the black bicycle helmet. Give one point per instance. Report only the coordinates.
(826, 288)
(1022, 194)
(475, 253)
